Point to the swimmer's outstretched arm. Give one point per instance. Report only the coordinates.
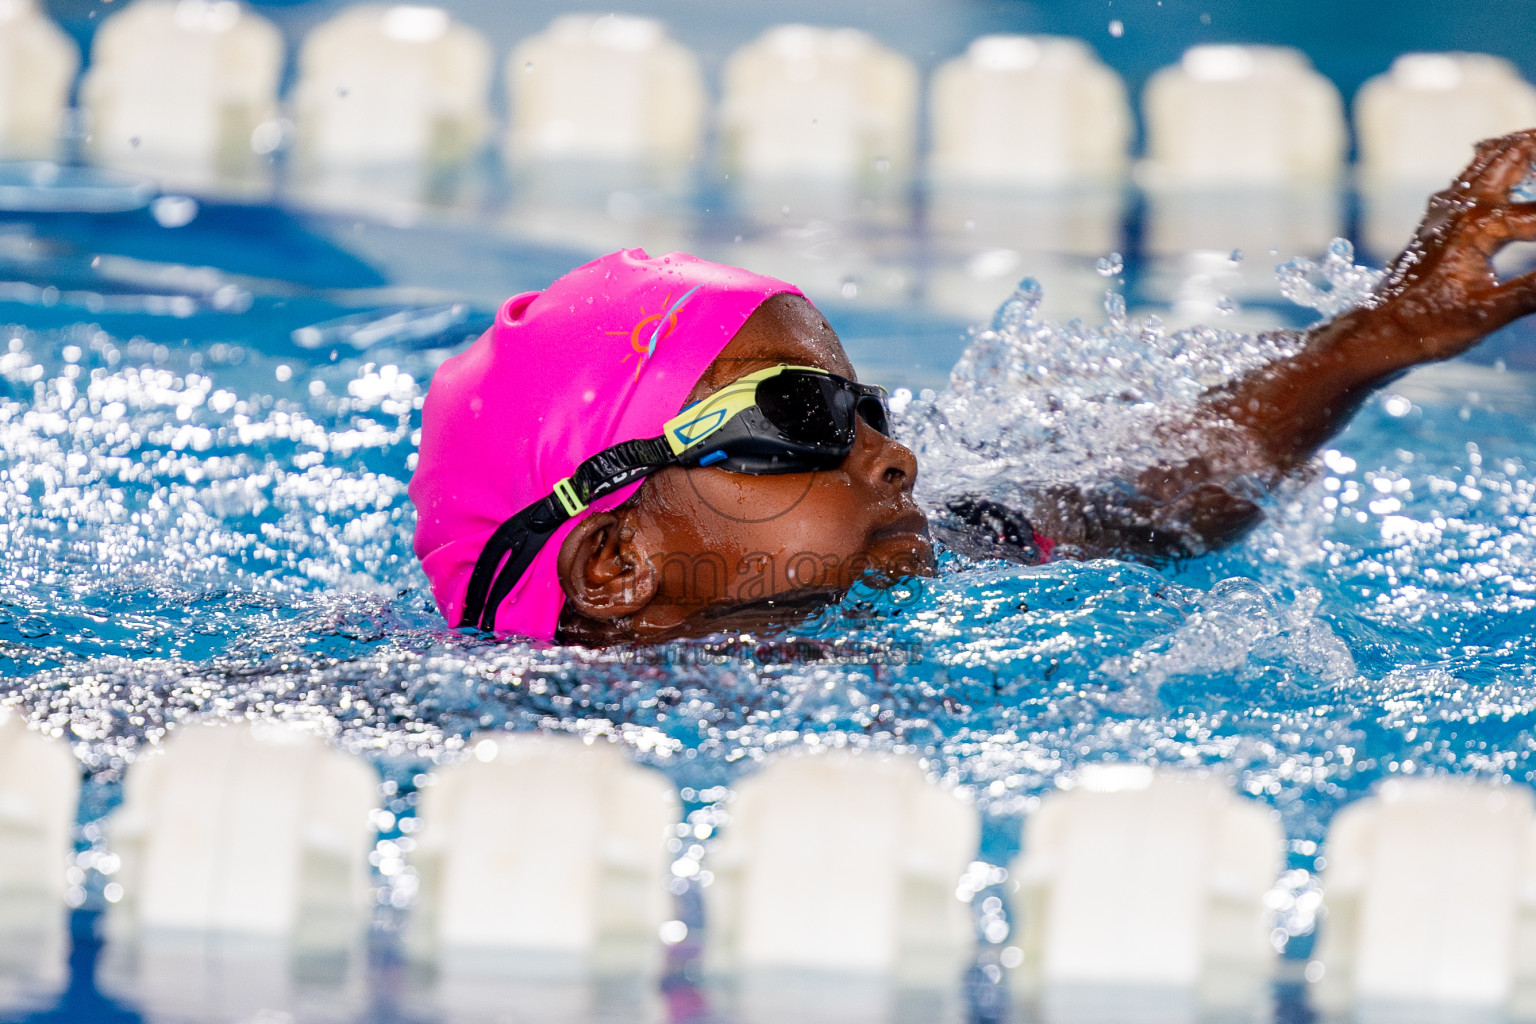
(1440, 297)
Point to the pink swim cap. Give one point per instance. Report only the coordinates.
(607, 353)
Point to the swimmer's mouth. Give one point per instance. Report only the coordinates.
(912, 524)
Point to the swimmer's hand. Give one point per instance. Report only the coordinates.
(1440, 296)
(1442, 293)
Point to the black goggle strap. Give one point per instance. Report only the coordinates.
(512, 548)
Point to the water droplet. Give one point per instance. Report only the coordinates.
(1114, 307)
(1019, 309)
(1110, 266)
(173, 211)
(1331, 285)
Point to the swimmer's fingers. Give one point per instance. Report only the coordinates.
(1493, 227)
(1500, 165)
(1478, 191)
(1514, 298)
(1518, 220)
(1482, 234)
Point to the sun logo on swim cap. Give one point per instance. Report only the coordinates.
(642, 342)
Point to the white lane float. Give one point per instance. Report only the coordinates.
(257, 830)
(186, 91)
(1028, 111)
(1242, 116)
(39, 791)
(834, 894)
(391, 86)
(1416, 125)
(1417, 122)
(37, 67)
(543, 855)
(818, 103)
(1150, 882)
(1430, 899)
(244, 854)
(612, 89)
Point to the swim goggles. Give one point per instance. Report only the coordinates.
(785, 419)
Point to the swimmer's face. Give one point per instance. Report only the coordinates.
(704, 549)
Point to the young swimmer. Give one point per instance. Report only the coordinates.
(661, 447)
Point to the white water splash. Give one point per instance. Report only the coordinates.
(1034, 405)
(1330, 285)
(1241, 624)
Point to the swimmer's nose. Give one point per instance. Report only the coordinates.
(883, 461)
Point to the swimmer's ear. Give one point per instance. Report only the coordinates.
(602, 571)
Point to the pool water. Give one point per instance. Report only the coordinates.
(206, 433)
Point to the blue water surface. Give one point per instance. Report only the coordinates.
(207, 434)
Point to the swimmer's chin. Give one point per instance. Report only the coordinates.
(903, 557)
(892, 552)
(900, 548)
(894, 555)
(763, 615)
(759, 616)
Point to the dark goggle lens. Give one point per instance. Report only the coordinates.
(805, 408)
(872, 411)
